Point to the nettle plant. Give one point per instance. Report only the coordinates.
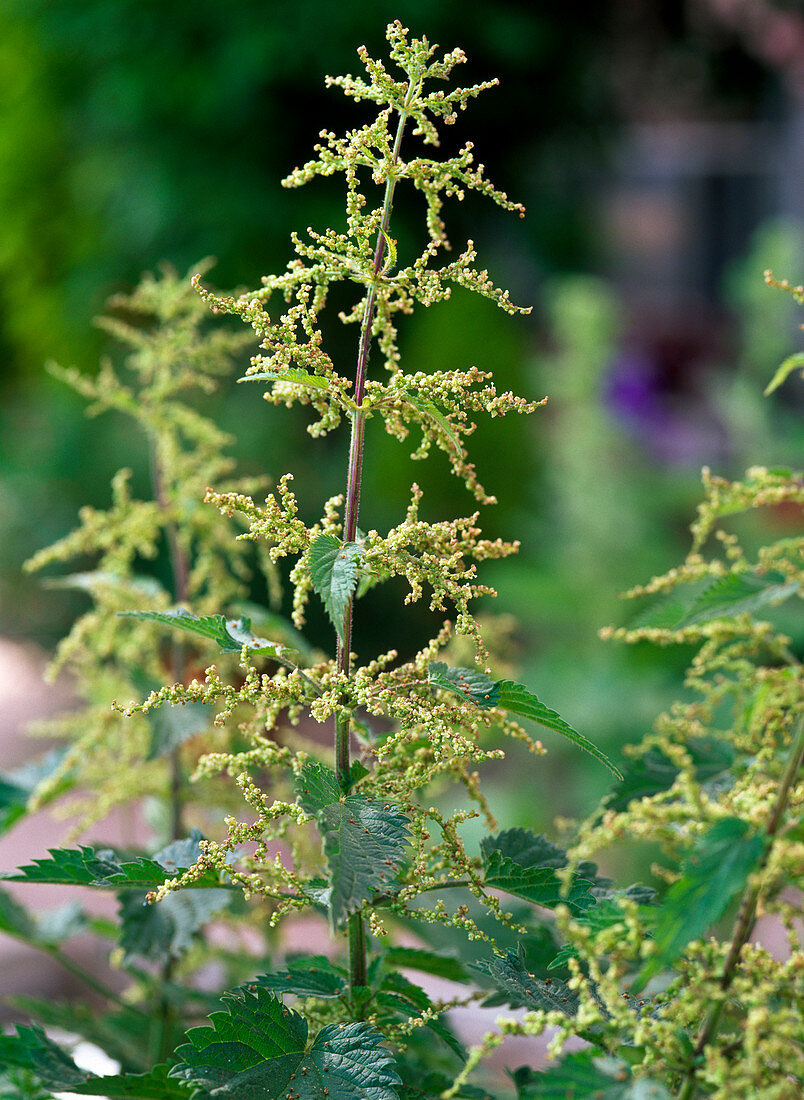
(360, 835)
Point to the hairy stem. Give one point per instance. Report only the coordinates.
(357, 932)
(747, 911)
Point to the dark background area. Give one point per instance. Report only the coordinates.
(659, 149)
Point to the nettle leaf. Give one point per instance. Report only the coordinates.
(364, 839)
(418, 958)
(586, 1075)
(156, 1084)
(715, 870)
(166, 929)
(607, 913)
(17, 786)
(475, 687)
(31, 1049)
(428, 409)
(405, 998)
(258, 1050)
(791, 363)
(230, 635)
(522, 989)
(297, 377)
(308, 976)
(84, 866)
(364, 842)
(172, 725)
(654, 773)
(317, 787)
(525, 864)
(334, 571)
(723, 597)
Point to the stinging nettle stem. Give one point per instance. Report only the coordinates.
(357, 932)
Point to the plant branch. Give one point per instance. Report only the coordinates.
(747, 911)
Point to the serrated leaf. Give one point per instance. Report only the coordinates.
(84, 866)
(523, 989)
(334, 571)
(297, 377)
(484, 692)
(17, 786)
(715, 870)
(724, 597)
(156, 1084)
(606, 913)
(256, 1049)
(427, 408)
(418, 958)
(317, 787)
(654, 773)
(172, 725)
(33, 1050)
(738, 593)
(524, 864)
(268, 623)
(309, 976)
(586, 1075)
(364, 842)
(166, 929)
(410, 1000)
(230, 635)
(791, 363)
(118, 1033)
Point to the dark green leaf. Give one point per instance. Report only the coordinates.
(309, 976)
(606, 913)
(654, 773)
(256, 1048)
(166, 929)
(17, 786)
(156, 1084)
(364, 842)
(409, 1000)
(15, 920)
(738, 593)
(723, 597)
(586, 1075)
(523, 989)
(317, 787)
(417, 958)
(269, 624)
(118, 1033)
(525, 864)
(230, 635)
(85, 867)
(716, 870)
(13, 800)
(21, 1084)
(477, 688)
(420, 1084)
(334, 570)
(31, 1049)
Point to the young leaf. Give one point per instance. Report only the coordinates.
(297, 377)
(230, 635)
(524, 864)
(364, 842)
(586, 1075)
(258, 1050)
(427, 408)
(716, 870)
(317, 787)
(524, 990)
(334, 571)
(475, 687)
(793, 362)
(738, 593)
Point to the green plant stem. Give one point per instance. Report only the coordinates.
(357, 932)
(747, 912)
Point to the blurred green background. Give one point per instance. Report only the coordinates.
(659, 149)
